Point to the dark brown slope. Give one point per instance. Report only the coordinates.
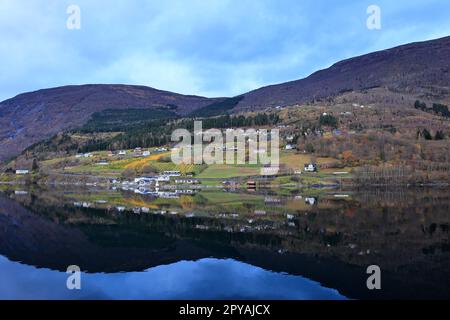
(34, 116)
(419, 69)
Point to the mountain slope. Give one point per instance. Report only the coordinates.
(395, 76)
(420, 69)
(31, 117)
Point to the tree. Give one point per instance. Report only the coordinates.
(128, 173)
(35, 165)
(439, 135)
(309, 147)
(347, 155)
(441, 109)
(147, 169)
(420, 105)
(328, 120)
(426, 134)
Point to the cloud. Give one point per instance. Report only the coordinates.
(212, 48)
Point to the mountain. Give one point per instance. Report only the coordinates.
(34, 116)
(393, 77)
(419, 69)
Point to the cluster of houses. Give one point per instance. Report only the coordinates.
(137, 152)
(164, 177)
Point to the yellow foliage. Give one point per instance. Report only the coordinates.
(139, 163)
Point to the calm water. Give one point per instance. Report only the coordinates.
(302, 244)
(202, 279)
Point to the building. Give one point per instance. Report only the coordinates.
(269, 170)
(185, 191)
(83, 155)
(146, 153)
(122, 152)
(172, 173)
(310, 167)
(163, 178)
(144, 180)
(22, 171)
(290, 147)
(186, 181)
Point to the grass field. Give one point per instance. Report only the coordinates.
(297, 161)
(228, 171)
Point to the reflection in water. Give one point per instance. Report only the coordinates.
(202, 279)
(216, 244)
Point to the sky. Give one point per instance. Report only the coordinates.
(201, 279)
(210, 48)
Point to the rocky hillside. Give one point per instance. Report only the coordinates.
(417, 70)
(31, 117)
(393, 77)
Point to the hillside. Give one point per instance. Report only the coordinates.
(31, 117)
(391, 78)
(417, 70)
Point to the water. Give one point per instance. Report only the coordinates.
(299, 244)
(202, 279)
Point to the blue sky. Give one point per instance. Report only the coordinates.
(202, 279)
(211, 48)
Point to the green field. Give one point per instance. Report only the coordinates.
(228, 171)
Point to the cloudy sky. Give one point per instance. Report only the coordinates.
(211, 48)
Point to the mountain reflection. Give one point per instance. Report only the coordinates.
(329, 237)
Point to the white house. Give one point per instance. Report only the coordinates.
(290, 147)
(22, 171)
(122, 152)
(163, 178)
(146, 153)
(310, 167)
(144, 180)
(138, 152)
(172, 173)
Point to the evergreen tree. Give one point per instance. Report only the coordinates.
(426, 134)
(439, 135)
